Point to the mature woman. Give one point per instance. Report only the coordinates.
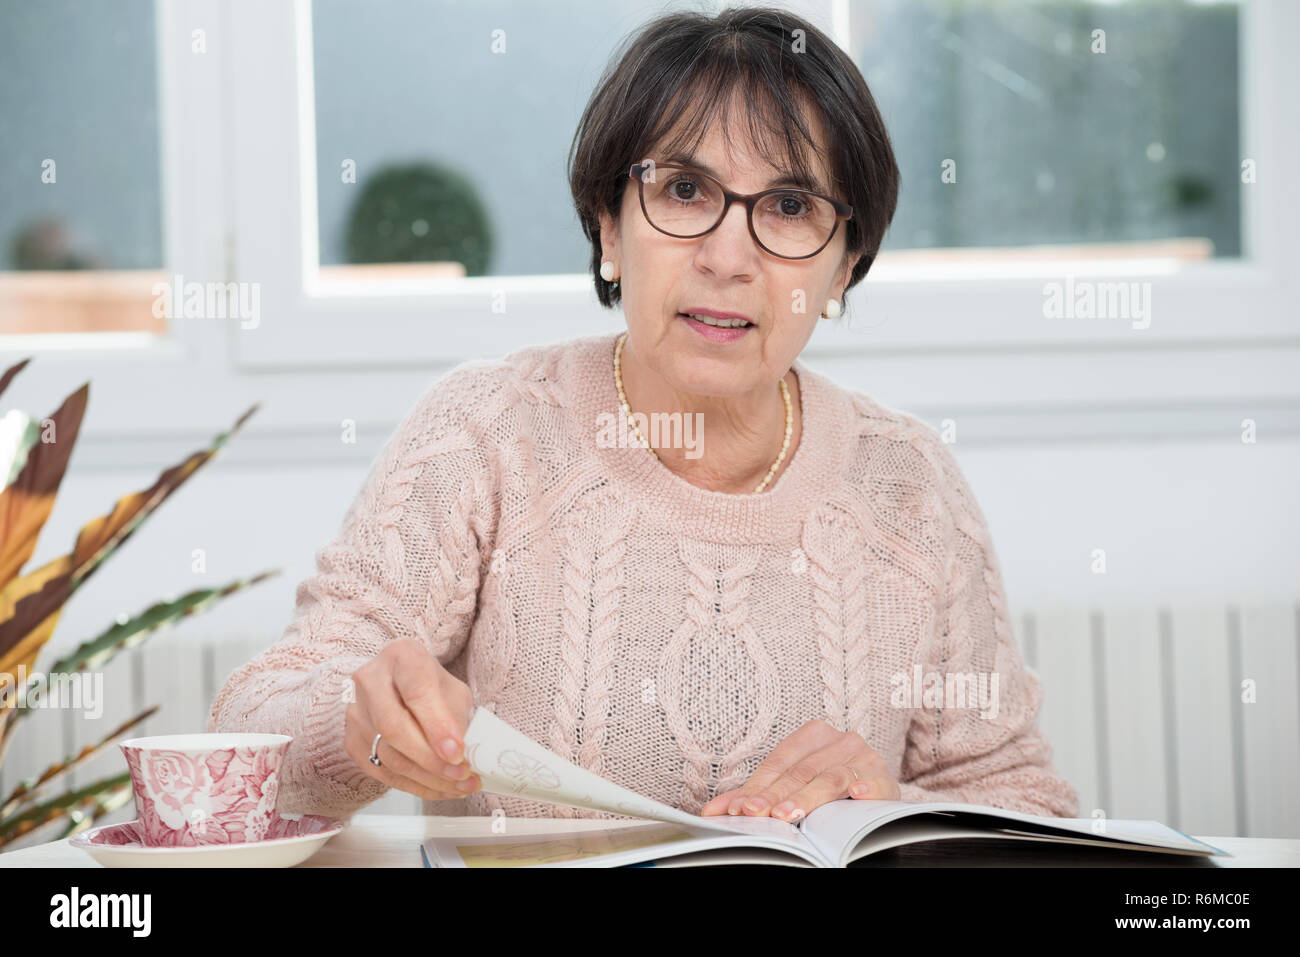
(734, 618)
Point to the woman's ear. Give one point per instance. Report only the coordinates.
(608, 236)
(846, 273)
(842, 279)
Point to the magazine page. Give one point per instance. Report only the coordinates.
(509, 762)
(645, 843)
(836, 828)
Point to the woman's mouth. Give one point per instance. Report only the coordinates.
(717, 330)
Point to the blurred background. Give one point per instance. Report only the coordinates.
(383, 184)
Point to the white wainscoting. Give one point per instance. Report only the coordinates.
(1143, 706)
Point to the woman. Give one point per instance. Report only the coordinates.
(730, 619)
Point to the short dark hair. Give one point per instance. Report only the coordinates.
(695, 61)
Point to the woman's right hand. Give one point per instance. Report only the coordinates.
(405, 694)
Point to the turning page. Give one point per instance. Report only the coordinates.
(509, 762)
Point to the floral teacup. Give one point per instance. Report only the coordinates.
(198, 789)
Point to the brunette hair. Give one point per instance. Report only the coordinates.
(688, 66)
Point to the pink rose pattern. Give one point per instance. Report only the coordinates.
(225, 796)
(123, 835)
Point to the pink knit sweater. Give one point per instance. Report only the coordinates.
(662, 635)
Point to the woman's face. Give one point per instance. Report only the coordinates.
(662, 277)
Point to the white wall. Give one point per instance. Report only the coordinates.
(1181, 506)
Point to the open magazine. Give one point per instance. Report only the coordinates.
(833, 835)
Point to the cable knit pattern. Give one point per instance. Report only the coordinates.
(715, 657)
(664, 636)
(833, 546)
(594, 552)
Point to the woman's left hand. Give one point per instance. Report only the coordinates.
(814, 765)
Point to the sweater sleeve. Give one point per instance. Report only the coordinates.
(986, 750)
(404, 564)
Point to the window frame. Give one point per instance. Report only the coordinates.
(331, 324)
(243, 207)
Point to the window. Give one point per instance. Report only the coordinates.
(1069, 172)
(442, 130)
(81, 222)
(1047, 124)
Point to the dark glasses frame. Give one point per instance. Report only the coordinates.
(843, 211)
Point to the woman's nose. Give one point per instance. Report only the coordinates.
(729, 248)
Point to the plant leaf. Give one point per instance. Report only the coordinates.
(18, 433)
(97, 540)
(108, 802)
(25, 654)
(27, 790)
(12, 828)
(27, 503)
(12, 371)
(29, 584)
(101, 649)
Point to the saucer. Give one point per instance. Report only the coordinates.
(119, 845)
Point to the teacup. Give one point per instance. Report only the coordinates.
(197, 789)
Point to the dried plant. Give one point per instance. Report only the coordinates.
(33, 459)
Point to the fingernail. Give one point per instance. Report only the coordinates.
(467, 786)
(858, 790)
(795, 815)
(784, 808)
(735, 806)
(449, 748)
(457, 772)
(755, 805)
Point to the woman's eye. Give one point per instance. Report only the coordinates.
(682, 189)
(790, 206)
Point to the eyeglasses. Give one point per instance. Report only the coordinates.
(683, 202)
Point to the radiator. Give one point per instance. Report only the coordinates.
(1186, 714)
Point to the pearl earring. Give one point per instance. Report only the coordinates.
(832, 308)
(607, 271)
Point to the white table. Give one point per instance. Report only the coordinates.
(392, 840)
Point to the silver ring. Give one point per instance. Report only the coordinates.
(374, 753)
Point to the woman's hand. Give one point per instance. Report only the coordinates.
(814, 765)
(406, 695)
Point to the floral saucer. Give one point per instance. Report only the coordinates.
(292, 840)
